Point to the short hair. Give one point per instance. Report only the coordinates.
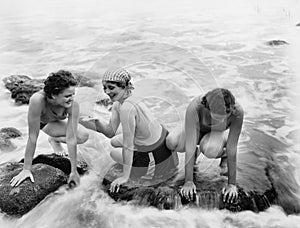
(219, 101)
(58, 82)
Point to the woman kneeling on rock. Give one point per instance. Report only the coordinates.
(213, 122)
(142, 138)
(48, 111)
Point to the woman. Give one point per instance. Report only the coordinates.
(142, 136)
(213, 122)
(48, 111)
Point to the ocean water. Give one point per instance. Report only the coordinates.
(176, 51)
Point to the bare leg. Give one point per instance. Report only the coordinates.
(213, 145)
(57, 132)
(176, 139)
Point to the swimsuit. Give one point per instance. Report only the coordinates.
(165, 166)
(50, 116)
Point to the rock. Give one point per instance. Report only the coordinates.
(9, 133)
(6, 145)
(59, 162)
(17, 201)
(22, 87)
(298, 24)
(6, 134)
(276, 42)
(165, 195)
(50, 171)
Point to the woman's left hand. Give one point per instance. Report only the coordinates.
(230, 193)
(115, 185)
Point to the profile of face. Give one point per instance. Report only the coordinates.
(114, 92)
(65, 98)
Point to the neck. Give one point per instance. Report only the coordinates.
(124, 97)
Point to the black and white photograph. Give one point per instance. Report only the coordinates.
(150, 113)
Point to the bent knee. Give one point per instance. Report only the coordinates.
(82, 138)
(171, 143)
(211, 150)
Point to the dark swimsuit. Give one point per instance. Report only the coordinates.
(164, 163)
(50, 116)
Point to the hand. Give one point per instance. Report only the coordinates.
(230, 193)
(24, 174)
(115, 185)
(88, 122)
(74, 179)
(188, 190)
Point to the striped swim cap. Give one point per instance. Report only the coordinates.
(118, 75)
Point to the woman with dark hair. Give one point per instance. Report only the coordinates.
(212, 122)
(48, 111)
(142, 137)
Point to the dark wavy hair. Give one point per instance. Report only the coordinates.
(58, 82)
(219, 101)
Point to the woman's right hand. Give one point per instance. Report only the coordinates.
(24, 174)
(188, 190)
(88, 122)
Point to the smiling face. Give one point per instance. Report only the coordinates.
(65, 98)
(114, 92)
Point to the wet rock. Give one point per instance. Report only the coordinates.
(59, 162)
(9, 133)
(6, 134)
(276, 42)
(22, 87)
(165, 195)
(17, 201)
(50, 171)
(6, 145)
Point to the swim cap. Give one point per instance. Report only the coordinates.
(118, 75)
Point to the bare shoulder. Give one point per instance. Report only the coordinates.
(37, 101)
(239, 111)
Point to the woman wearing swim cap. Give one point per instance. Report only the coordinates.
(213, 122)
(142, 138)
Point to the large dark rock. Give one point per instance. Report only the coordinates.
(50, 171)
(261, 182)
(19, 200)
(22, 87)
(166, 195)
(59, 162)
(6, 134)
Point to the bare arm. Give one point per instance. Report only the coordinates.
(231, 147)
(108, 129)
(71, 140)
(36, 104)
(192, 137)
(127, 116)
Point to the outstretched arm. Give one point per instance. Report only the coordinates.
(34, 117)
(108, 129)
(192, 137)
(71, 141)
(230, 191)
(127, 116)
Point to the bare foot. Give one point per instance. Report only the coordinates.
(57, 147)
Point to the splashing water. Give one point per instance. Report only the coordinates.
(177, 50)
